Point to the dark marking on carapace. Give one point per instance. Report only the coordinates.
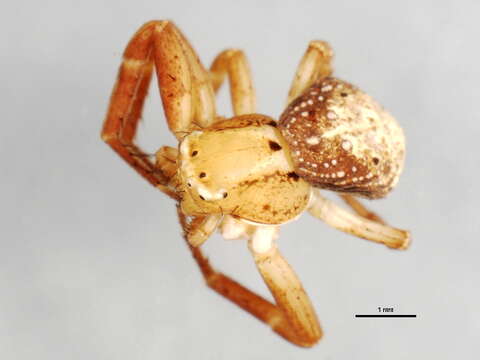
(272, 123)
(293, 175)
(274, 146)
(264, 178)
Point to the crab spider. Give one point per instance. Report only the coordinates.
(249, 174)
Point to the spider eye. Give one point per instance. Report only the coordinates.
(202, 175)
(194, 153)
(225, 195)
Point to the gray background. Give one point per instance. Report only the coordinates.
(92, 264)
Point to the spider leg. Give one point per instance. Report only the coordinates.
(343, 220)
(166, 164)
(186, 92)
(233, 62)
(166, 161)
(292, 317)
(315, 65)
(187, 95)
(125, 110)
(360, 209)
(298, 318)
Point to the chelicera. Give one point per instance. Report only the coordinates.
(249, 174)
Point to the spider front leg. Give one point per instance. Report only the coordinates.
(185, 88)
(293, 316)
(125, 110)
(298, 323)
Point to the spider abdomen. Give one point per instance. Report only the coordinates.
(343, 140)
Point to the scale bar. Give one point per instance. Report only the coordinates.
(386, 316)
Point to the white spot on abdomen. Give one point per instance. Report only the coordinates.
(314, 140)
(346, 145)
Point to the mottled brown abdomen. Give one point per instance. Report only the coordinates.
(343, 140)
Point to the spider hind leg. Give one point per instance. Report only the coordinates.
(357, 225)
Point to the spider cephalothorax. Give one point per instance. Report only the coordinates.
(241, 167)
(248, 174)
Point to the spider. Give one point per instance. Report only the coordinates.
(248, 174)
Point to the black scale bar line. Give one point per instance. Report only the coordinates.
(386, 316)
